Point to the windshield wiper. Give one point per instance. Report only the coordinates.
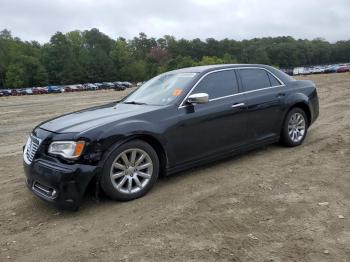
(134, 103)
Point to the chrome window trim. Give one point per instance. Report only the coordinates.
(240, 93)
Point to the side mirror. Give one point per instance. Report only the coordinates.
(199, 98)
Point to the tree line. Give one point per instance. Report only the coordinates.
(92, 56)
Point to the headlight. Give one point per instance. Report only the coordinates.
(67, 149)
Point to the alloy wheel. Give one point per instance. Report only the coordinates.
(296, 127)
(131, 171)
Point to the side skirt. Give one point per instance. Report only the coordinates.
(212, 158)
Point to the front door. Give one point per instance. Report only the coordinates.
(207, 129)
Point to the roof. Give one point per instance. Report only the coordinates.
(200, 69)
(207, 68)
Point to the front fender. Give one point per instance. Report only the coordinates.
(114, 136)
(118, 134)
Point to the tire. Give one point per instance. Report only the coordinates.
(115, 181)
(294, 128)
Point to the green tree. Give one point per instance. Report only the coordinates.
(92, 56)
(14, 76)
(122, 57)
(57, 55)
(180, 62)
(210, 60)
(136, 71)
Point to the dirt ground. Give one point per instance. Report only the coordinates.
(261, 206)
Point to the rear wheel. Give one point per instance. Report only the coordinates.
(294, 127)
(130, 171)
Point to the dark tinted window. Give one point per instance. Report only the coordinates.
(273, 80)
(253, 79)
(218, 84)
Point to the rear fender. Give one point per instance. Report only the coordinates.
(298, 100)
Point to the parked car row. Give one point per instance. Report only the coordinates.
(338, 68)
(118, 86)
(16, 92)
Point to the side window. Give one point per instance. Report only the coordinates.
(273, 80)
(253, 79)
(218, 84)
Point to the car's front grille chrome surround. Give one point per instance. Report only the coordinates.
(31, 148)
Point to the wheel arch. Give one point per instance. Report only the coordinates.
(157, 146)
(149, 139)
(300, 100)
(298, 104)
(302, 105)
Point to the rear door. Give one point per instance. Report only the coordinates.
(264, 95)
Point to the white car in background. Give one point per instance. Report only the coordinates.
(318, 70)
(140, 83)
(298, 71)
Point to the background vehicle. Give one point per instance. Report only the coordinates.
(68, 89)
(108, 85)
(98, 85)
(14, 92)
(29, 91)
(127, 84)
(298, 71)
(54, 89)
(75, 88)
(21, 91)
(71, 88)
(118, 86)
(45, 89)
(90, 86)
(331, 69)
(80, 87)
(317, 70)
(159, 129)
(41, 90)
(306, 71)
(6, 92)
(288, 71)
(139, 84)
(343, 69)
(36, 91)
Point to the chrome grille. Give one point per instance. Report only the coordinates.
(31, 148)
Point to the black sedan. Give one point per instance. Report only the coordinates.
(174, 121)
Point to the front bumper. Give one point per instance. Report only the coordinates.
(60, 184)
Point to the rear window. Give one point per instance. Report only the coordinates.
(253, 79)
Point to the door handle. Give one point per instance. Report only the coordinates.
(281, 94)
(238, 105)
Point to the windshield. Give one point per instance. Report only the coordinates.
(161, 90)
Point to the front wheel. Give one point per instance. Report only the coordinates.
(294, 127)
(130, 171)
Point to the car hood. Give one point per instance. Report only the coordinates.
(94, 117)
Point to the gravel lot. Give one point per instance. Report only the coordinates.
(261, 206)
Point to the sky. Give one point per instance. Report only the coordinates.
(235, 19)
